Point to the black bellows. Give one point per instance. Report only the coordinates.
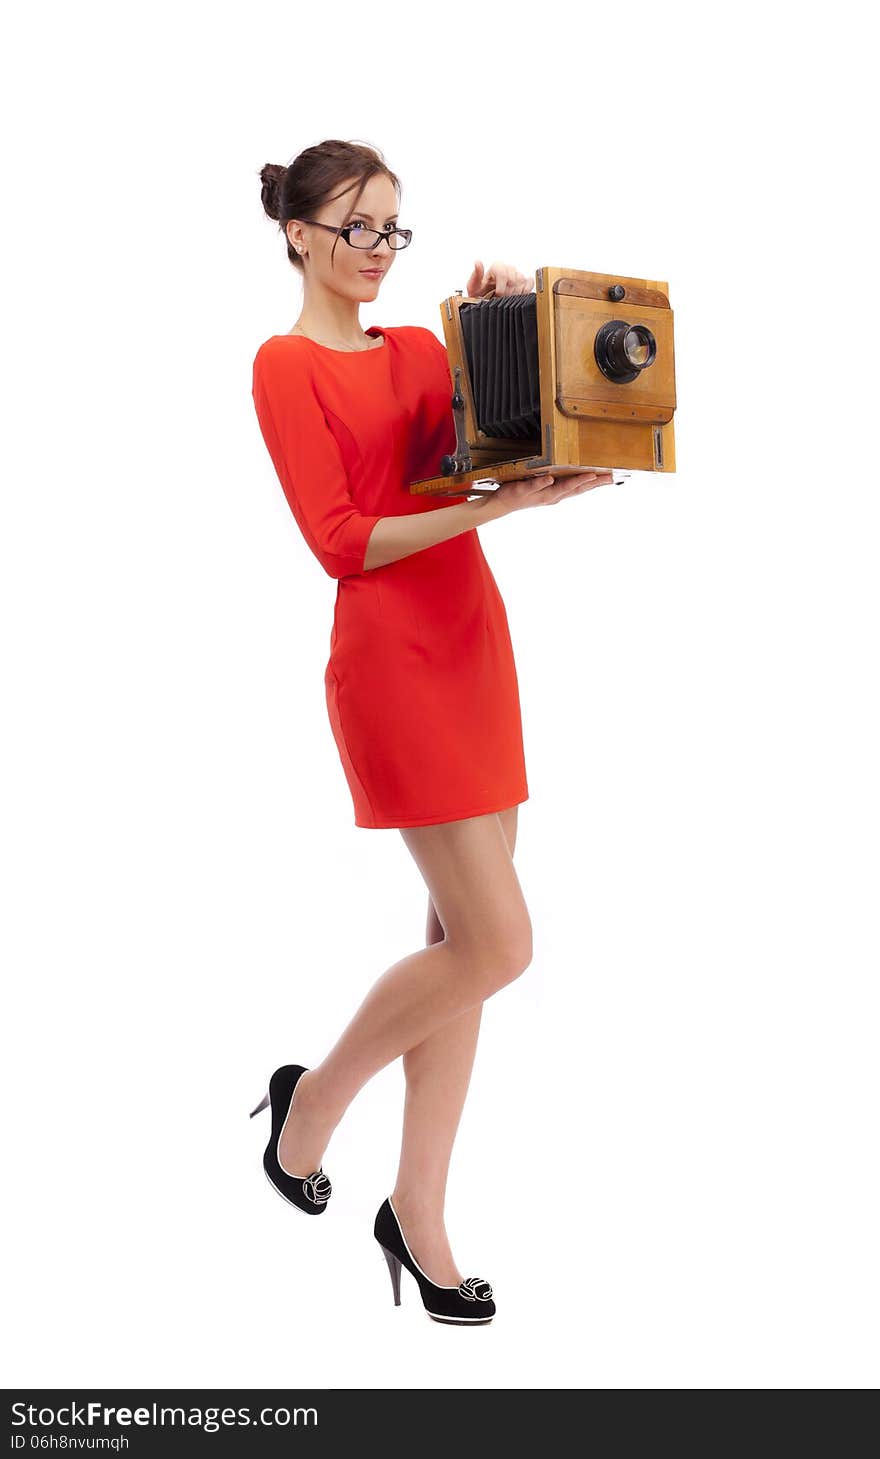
(501, 344)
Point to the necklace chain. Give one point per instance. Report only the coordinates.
(354, 349)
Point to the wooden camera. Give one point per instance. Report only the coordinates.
(578, 374)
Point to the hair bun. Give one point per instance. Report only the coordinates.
(272, 177)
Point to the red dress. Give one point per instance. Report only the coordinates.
(421, 684)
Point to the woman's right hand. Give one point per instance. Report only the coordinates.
(544, 491)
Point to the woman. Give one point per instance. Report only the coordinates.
(421, 689)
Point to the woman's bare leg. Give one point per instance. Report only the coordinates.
(438, 1072)
(470, 875)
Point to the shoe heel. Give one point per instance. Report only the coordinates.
(262, 1105)
(394, 1268)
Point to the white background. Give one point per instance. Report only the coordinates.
(667, 1163)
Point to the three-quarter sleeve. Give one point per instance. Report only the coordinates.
(308, 461)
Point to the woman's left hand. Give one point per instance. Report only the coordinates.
(501, 278)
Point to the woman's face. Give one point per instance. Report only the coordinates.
(377, 209)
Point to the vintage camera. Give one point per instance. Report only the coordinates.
(578, 374)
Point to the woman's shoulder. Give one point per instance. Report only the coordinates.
(418, 336)
(284, 363)
(282, 349)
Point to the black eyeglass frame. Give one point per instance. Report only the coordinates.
(344, 232)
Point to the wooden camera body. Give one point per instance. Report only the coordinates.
(578, 374)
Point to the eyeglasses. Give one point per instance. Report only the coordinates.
(365, 237)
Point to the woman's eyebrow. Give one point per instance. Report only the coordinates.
(370, 219)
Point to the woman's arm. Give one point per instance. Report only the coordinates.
(396, 537)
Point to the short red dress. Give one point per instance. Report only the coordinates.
(421, 684)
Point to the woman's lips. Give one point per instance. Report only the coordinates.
(373, 273)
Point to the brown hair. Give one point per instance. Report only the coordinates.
(298, 190)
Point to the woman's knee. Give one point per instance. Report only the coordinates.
(498, 958)
(517, 950)
(475, 891)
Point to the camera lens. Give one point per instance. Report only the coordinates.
(623, 350)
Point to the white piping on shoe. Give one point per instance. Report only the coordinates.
(441, 1285)
(306, 1179)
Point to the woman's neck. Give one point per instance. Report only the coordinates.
(333, 322)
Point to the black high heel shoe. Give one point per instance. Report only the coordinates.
(309, 1193)
(469, 1302)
